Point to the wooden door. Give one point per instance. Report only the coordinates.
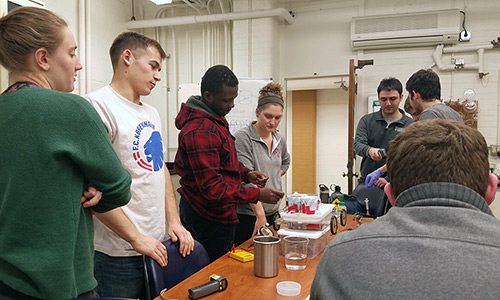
(304, 141)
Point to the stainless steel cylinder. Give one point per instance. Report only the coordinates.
(266, 256)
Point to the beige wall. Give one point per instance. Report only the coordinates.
(317, 43)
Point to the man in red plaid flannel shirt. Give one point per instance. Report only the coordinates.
(211, 174)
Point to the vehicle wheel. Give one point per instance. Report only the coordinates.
(343, 217)
(333, 225)
(277, 221)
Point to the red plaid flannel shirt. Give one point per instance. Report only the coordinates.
(206, 160)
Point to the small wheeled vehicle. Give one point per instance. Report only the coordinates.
(327, 214)
(339, 215)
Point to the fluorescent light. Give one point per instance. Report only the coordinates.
(160, 2)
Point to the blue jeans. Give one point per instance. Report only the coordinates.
(217, 238)
(119, 276)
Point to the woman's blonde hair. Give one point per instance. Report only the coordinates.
(24, 30)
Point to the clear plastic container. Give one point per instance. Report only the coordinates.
(288, 288)
(318, 240)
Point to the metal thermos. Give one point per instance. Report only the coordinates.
(266, 256)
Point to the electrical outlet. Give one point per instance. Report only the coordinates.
(459, 63)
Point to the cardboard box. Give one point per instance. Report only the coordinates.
(318, 240)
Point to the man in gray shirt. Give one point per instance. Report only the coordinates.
(424, 89)
(440, 239)
(376, 129)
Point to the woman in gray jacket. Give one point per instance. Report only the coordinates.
(262, 148)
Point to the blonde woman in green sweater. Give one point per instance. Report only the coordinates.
(53, 144)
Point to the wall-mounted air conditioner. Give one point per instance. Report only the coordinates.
(11, 4)
(406, 30)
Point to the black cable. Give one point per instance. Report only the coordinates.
(463, 23)
(133, 14)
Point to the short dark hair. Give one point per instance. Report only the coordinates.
(216, 77)
(388, 84)
(452, 151)
(133, 41)
(426, 83)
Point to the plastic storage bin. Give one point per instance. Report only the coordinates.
(317, 221)
(318, 240)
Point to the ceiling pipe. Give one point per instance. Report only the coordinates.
(467, 48)
(255, 14)
(438, 53)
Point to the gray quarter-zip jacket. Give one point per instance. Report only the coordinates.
(254, 154)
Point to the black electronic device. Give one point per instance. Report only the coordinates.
(382, 153)
(216, 284)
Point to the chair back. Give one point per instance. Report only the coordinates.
(177, 269)
(378, 204)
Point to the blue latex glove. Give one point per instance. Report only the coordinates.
(370, 178)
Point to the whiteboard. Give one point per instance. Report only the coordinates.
(243, 112)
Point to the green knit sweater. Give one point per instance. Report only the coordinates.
(52, 145)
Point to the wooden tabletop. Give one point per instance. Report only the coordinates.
(243, 284)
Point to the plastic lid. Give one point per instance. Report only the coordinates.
(288, 288)
(311, 234)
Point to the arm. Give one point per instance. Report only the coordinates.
(361, 138)
(92, 151)
(256, 177)
(374, 177)
(285, 157)
(361, 143)
(244, 149)
(91, 196)
(117, 221)
(176, 231)
(260, 214)
(203, 150)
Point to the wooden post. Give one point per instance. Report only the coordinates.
(350, 136)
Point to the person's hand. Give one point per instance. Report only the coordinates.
(372, 177)
(374, 154)
(259, 222)
(91, 196)
(258, 178)
(381, 182)
(151, 247)
(177, 232)
(268, 195)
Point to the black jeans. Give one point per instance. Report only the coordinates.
(217, 238)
